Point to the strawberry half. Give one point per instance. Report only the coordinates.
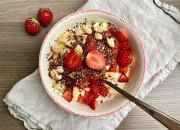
(124, 58)
(73, 60)
(90, 44)
(68, 95)
(123, 78)
(123, 70)
(125, 47)
(95, 60)
(93, 104)
(121, 36)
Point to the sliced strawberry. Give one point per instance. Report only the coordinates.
(121, 36)
(84, 84)
(90, 44)
(124, 58)
(113, 68)
(110, 32)
(73, 60)
(95, 77)
(68, 95)
(103, 89)
(94, 88)
(93, 104)
(95, 60)
(123, 78)
(89, 97)
(125, 47)
(123, 70)
(116, 47)
(86, 98)
(114, 61)
(80, 99)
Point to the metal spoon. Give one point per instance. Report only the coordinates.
(164, 119)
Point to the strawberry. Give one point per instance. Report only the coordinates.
(89, 97)
(94, 88)
(73, 60)
(86, 98)
(113, 68)
(68, 95)
(32, 26)
(121, 36)
(95, 60)
(124, 58)
(116, 47)
(80, 99)
(110, 32)
(84, 84)
(90, 44)
(94, 78)
(103, 89)
(114, 61)
(125, 47)
(123, 78)
(93, 104)
(123, 70)
(45, 16)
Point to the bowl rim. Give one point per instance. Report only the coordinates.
(86, 11)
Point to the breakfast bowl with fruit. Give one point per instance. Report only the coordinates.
(85, 48)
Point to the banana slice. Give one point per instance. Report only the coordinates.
(110, 75)
(110, 42)
(96, 26)
(59, 86)
(54, 74)
(100, 27)
(56, 49)
(76, 93)
(112, 91)
(98, 36)
(60, 69)
(79, 49)
(78, 31)
(103, 26)
(107, 67)
(87, 29)
(66, 38)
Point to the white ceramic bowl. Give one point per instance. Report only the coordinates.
(136, 73)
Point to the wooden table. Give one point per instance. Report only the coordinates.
(19, 58)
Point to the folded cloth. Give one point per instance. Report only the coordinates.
(159, 32)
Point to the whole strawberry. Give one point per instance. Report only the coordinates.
(45, 16)
(32, 26)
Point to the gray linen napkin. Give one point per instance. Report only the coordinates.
(160, 34)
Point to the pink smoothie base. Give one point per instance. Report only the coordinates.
(75, 13)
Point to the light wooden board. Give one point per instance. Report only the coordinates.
(19, 57)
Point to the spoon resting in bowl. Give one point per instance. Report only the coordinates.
(164, 119)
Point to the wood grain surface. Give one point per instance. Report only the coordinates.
(19, 58)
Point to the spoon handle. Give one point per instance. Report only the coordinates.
(164, 119)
